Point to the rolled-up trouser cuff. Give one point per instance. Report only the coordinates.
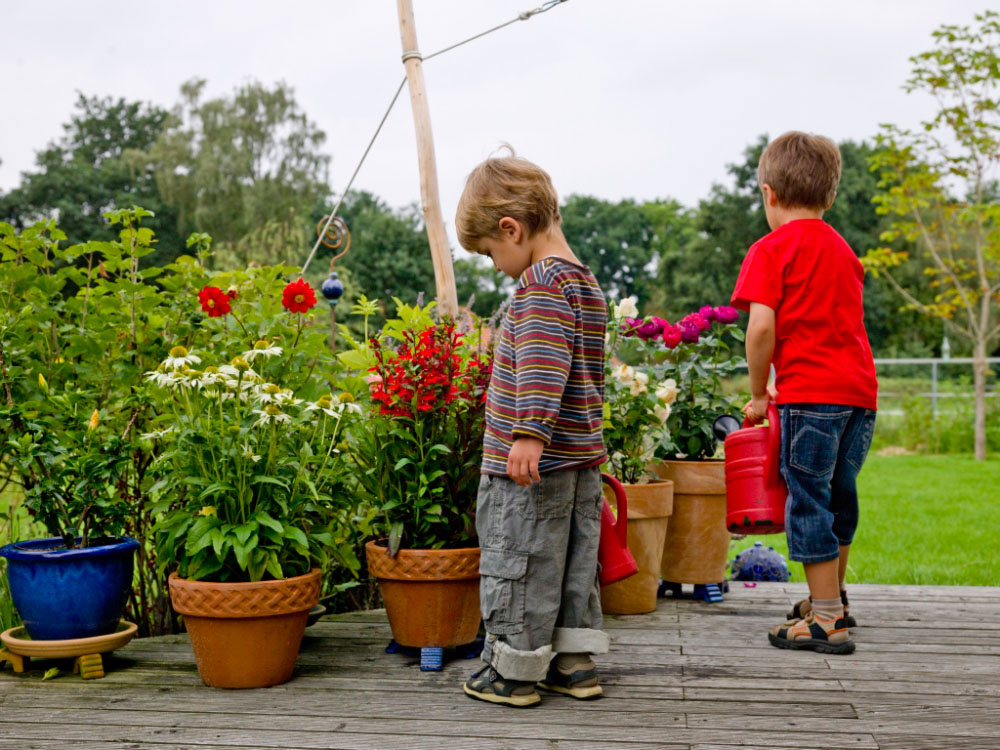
(580, 641)
(529, 666)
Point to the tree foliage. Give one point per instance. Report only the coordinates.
(86, 173)
(237, 166)
(938, 188)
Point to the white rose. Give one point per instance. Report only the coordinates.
(627, 308)
(637, 386)
(662, 412)
(623, 374)
(667, 392)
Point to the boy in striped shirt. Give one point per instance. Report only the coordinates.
(539, 505)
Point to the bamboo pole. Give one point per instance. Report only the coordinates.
(444, 275)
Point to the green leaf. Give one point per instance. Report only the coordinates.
(265, 520)
(395, 537)
(50, 673)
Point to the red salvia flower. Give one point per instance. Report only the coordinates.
(214, 301)
(298, 296)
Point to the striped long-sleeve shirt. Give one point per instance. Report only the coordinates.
(548, 370)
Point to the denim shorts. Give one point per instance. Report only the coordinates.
(823, 447)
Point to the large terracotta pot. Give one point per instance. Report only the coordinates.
(697, 543)
(649, 507)
(431, 595)
(245, 635)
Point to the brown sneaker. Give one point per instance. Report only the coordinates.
(825, 636)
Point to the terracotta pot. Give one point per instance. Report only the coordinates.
(245, 635)
(697, 544)
(431, 595)
(649, 508)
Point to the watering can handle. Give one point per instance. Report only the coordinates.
(772, 462)
(621, 529)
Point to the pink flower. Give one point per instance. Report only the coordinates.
(696, 321)
(690, 332)
(671, 336)
(708, 313)
(651, 329)
(631, 326)
(726, 314)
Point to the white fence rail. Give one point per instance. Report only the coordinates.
(935, 364)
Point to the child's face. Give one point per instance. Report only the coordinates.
(509, 252)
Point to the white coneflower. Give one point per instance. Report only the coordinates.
(325, 405)
(267, 394)
(180, 358)
(262, 349)
(286, 397)
(269, 414)
(160, 376)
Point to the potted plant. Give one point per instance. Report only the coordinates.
(636, 408)
(252, 479)
(70, 468)
(418, 454)
(697, 354)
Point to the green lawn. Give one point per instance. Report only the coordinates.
(932, 520)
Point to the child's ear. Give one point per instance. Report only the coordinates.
(770, 197)
(510, 228)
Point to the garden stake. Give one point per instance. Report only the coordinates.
(333, 232)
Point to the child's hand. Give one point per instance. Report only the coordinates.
(522, 462)
(756, 408)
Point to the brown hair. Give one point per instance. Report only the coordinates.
(802, 169)
(505, 186)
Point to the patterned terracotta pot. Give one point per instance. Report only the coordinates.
(649, 508)
(431, 595)
(245, 635)
(697, 544)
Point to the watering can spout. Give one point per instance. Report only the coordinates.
(613, 555)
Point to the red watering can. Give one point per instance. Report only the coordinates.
(613, 554)
(755, 489)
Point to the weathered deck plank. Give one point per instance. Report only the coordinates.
(691, 675)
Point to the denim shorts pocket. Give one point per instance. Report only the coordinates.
(502, 589)
(815, 440)
(861, 440)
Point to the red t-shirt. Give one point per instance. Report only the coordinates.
(810, 277)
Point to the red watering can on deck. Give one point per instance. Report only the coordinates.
(755, 489)
(613, 554)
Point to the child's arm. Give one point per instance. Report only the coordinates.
(760, 348)
(522, 461)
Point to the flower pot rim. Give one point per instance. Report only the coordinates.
(53, 549)
(243, 585)
(384, 544)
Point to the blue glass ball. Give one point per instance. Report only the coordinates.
(759, 564)
(332, 288)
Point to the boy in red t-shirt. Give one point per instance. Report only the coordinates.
(802, 285)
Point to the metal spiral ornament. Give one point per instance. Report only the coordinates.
(336, 235)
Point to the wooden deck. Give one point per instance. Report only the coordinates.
(926, 675)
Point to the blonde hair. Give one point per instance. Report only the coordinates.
(505, 186)
(803, 169)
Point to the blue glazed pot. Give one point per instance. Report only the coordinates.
(69, 593)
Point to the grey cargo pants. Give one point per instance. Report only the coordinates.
(539, 592)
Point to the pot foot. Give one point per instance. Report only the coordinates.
(432, 657)
(89, 666)
(708, 592)
(16, 662)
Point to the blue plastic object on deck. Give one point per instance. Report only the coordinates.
(432, 657)
(758, 563)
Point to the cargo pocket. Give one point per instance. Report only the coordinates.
(502, 590)
(816, 440)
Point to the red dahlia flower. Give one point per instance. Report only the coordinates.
(298, 296)
(214, 301)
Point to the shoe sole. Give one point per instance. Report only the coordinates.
(580, 693)
(812, 644)
(515, 701)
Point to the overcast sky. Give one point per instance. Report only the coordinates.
(615, 98)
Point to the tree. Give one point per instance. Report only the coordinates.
(615, 240)
(86, 173)
(938, 186)
(234, 166)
